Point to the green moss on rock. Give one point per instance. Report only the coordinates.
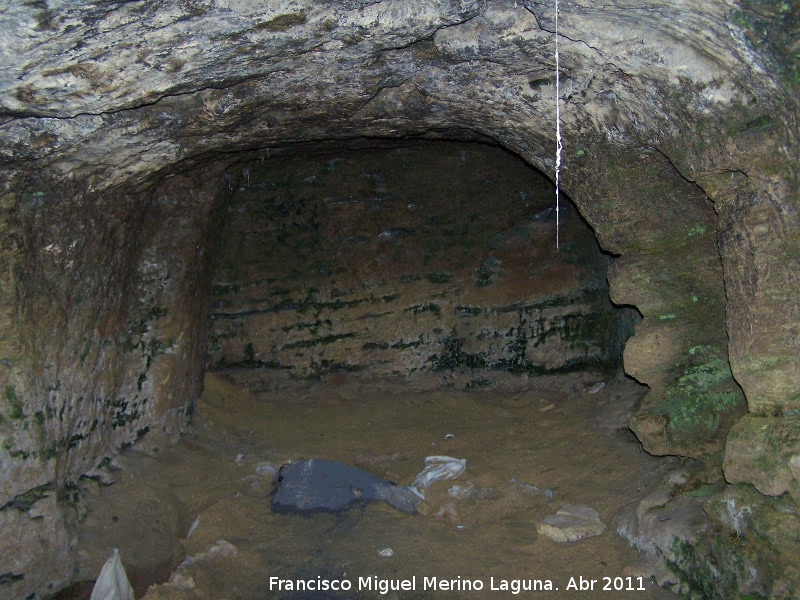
(16, 407)
(702, 398)
(431, 307)
(439, 277)
(694, 572)
(283, 22)
(23, 502)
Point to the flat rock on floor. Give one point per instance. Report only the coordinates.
(572, 523)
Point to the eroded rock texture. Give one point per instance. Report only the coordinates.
(438, 258)
(125, 127)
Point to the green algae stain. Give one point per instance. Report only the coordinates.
(25, 501)
(694, 574)
(283, 22)
(696, 230)
(401, 345)
(14, 403)
(752, 125)
(249, 356)
(704, 350)
(86, 348)
(438, 277)
(700, 397)
(321, 340)
(431, 307)
(771, 26)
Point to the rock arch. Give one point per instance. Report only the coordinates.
(123, 126)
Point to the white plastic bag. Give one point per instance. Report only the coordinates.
(437, 468)
(112, 583)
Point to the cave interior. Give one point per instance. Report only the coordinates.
(305, 196)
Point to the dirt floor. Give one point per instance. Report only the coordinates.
(194, 521)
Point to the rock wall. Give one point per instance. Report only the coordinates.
(105, 298)
(674, 278)
(667, 111)
(438, 257)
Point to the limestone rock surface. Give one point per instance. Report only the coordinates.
(699, 538)
(388, 261)
(124, 128)
(571, 523)
(765, 451)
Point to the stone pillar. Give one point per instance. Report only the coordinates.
(664, 230)
(760, 249)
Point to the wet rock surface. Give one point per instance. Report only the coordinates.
(704, 539)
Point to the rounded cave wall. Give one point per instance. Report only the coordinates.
(428, 258)
(128, 128)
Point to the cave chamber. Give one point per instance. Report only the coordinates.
(354, 199)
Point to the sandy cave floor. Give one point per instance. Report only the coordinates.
(551, 434)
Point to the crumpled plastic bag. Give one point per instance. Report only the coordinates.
(437, 468)
(112, 583)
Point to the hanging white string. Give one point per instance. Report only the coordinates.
(558, 133)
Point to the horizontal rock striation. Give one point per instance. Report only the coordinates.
(435, 258)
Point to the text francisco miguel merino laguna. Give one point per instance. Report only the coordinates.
(460, 584)
(384, 586)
